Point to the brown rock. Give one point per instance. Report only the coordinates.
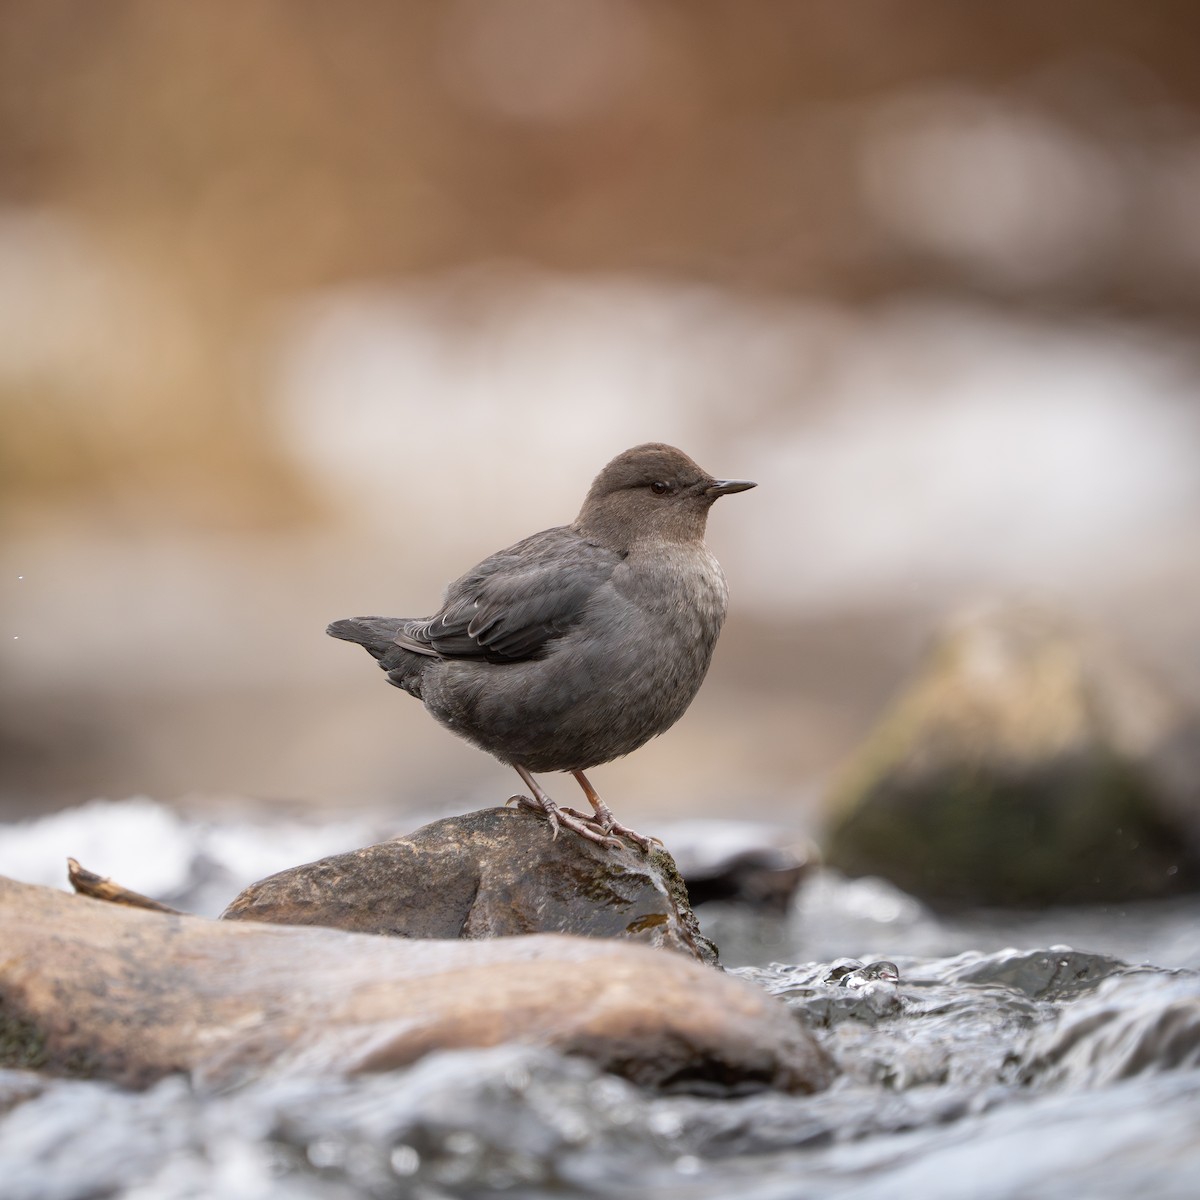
(115, 992)
(494, 873)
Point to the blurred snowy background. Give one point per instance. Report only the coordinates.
(304, 308)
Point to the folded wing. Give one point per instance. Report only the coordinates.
(514, 604)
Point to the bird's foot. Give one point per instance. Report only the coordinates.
(616, 829)
(588, 817)
(604, 819)
(568, 818)
(584, 827)
(610, 825)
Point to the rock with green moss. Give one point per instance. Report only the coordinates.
(1025, 765)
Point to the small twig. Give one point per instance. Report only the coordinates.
(88, 883)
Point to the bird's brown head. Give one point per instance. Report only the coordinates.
(651, 491)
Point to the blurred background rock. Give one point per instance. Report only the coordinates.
(1024, 765)
(306, 307)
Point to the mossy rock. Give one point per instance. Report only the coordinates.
(1025, 765)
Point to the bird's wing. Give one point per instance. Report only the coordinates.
(513, 604)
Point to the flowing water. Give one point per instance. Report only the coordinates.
(968, 1070)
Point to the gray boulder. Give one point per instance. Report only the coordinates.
(493, 873)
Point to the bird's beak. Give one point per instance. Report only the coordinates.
(726, 487)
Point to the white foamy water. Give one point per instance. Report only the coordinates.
(196, 865)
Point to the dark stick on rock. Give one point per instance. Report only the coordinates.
(99, 887)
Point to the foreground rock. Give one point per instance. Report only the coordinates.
(1025, 765)
(120, 993)
(495, 873)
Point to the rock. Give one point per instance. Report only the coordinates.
(1025, 765)
(742, 862)
(488, 874)
(93, 989)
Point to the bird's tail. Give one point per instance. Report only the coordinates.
(377, 635)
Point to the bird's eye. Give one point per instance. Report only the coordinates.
(659, 488)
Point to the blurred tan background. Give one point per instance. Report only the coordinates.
(305, 307)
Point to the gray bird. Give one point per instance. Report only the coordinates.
(580, 643)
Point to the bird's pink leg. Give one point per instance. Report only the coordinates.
(604, 816)
(558, 816)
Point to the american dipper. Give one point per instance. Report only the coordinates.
(580, 643)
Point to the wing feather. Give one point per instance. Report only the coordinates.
(514, 604)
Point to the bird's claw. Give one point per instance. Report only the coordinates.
(559, 818)
(551, 814)
(587, 817)
(600, 826)
(612, 829)
(604, 820)
(586, 829)
(639, 839)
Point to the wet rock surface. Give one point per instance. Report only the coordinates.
(1025, 764)
(113, 992)
(494, 873)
